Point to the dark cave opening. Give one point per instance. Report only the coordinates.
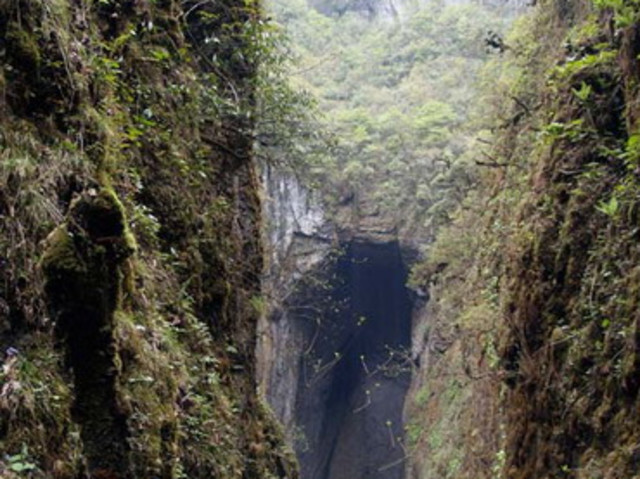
(356, 368)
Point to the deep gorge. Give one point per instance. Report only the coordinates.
(352, 317)
(319, 239)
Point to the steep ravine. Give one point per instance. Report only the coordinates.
(335, 352)
(134, 291)
(353, 325)
(357, 372)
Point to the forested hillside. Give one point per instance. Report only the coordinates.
(395, 98)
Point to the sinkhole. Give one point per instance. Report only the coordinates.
(353, 365)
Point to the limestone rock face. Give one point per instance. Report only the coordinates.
(334, 351)
(299, 239)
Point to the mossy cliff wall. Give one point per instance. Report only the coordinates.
(529, 357)
(129, 242)
(573, 339)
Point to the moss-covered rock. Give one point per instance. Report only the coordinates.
(557, 263)
(84, 272)
(112, 131)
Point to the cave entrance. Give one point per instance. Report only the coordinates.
(355, 367)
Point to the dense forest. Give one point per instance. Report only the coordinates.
(327, 239)
(397, 101)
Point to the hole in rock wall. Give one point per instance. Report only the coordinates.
(354, 365)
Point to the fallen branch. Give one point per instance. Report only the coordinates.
(491, 164)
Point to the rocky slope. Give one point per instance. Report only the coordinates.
(130, 253)
(529, 366)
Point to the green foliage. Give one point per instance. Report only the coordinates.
(499, 463)
(631, 154)
(583, 93)
(422, 396)
(572, 131)
(35, 390)
(550, 283)
(609, 208)
(413, 433)
(117, 123)
(395, 96)
(626, 12)
(603, 59)
(20, 463)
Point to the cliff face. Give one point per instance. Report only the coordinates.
(398, 9)
(333, 349)
(571, 350)
(130, 254)
(300, 239)
(531, 353)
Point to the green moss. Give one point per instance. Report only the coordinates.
(98, 224)
(108, 201)
(170, 403)
(61, 253)
(422, 396)
(24, 46)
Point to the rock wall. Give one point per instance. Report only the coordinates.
(334, 353)
(299, 240)
(530, 363)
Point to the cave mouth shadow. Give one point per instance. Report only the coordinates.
(357, 368)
